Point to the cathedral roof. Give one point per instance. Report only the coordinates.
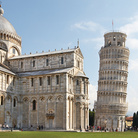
(43, 72)
(3, 69)
(5, 25)
(44, 53)
(80, 74)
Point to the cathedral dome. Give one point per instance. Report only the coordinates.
(5, 25)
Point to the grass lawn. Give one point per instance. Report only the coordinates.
(35, 134)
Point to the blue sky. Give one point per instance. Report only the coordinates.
(56, 24)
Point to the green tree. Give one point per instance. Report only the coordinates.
(91, 117)
(134, 120)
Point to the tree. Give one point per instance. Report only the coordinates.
(134, 120)
(91, 117)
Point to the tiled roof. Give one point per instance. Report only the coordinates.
(129, 118)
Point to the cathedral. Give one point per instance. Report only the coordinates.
(48, 89)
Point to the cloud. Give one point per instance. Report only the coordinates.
(88, 26)
(132, 100)
(131, 29)
(92, 95)
(132, 26)
(132, 43)
(133, 65)
(98, 41)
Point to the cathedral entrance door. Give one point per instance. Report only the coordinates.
(14, 123)
(50, 123)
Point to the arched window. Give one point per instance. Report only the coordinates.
(34, 104)
(21, 64)
(32, 81)
(114, 38)
(78, 64)
(1, 100)
(62, 60)
(40, 81)
(13, 50)
(118, 43)
(7, 79)
(14, 102)
(77, 82)
(47, 62)
(109, 43)
(33, 63)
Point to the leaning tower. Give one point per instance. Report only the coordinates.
(111, 106)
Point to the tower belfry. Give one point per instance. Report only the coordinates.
(111, 106)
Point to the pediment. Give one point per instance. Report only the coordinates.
(78, 52)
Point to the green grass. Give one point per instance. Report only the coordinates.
(35, 134)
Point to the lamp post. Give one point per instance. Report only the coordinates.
(105, 122)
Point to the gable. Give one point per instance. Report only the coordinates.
(78, 52)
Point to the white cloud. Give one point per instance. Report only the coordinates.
(131, 29)
(133, 65)
(132, 100)
(132, 43)
(88, 26)
(92, 95)
(98, 41)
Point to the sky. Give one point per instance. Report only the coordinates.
(56, 24)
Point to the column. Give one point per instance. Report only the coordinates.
(81, 116)
(29, 112)
(55, 109)
(45, 114)
(70, 113)
(66, 113)
(37, 111)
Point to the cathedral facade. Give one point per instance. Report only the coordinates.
(49, 89)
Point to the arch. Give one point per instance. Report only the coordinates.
(1, 35)
(16, 48)
(3, 46)
(50, 111)
(50, 98)
(68, 97)
(109, 43)
(15, 101)
(42, 99)
(118, 43)
(2, 100)
(8, 113)
(33, 98)
(34, 104)
(59, 98)
(9, 98)
(25, 99)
